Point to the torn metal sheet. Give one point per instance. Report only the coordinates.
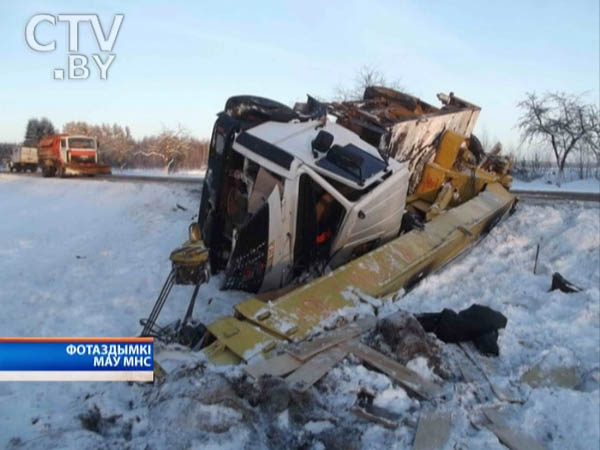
(408, 379)
(433, 430)
(513, 438)
(316, 368)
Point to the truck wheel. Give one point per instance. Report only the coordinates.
(18, 169)
(33, 169)
(47, 171)
(60, 172)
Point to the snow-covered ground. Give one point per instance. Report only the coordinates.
(82, 257)
(547, 184)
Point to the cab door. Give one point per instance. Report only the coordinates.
(276, 244)
(256, 262)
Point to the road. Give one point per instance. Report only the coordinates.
(549, 195)
(523, 195)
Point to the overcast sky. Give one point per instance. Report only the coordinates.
(177, 62)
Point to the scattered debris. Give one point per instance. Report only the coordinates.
(183, 208)
(315, 368)
(365, 408)
(14, 443)
(92, 420)
(272, 394)
(308, 349)
(407, 339)
(566, 377)
(159, 372)
(409, 380)
(590, 381)
(477, 323)
(315, 358)
(433, 430)
(276, 366)
(557, 367)
(507, 434)
(499, 393)
(564, 285)
(537, 254)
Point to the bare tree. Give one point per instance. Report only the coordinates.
(560, 120)
(367, 76)
(485, 140)
(170, 147)
(591, 141)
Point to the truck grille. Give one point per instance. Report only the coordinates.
(82, 159)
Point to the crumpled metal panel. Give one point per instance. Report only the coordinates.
(415, 141)
(405, 127)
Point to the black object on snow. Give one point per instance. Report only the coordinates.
(559, 282)
(477, 323)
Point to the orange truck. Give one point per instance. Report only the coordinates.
(64, 154)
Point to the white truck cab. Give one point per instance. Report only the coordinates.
(285, 197)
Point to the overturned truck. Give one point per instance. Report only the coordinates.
(320, 206)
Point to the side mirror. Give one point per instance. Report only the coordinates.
(194, 232)
(322, 142)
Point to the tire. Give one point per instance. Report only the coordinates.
(47, 171)
(18, 169)
(60, 172)
(33, 169)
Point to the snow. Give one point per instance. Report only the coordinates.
(85, 257)
(420, 366)
(393, 399)
(283, 419)
(548, 184)
(317, 426)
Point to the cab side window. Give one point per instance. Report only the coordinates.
(63, 143)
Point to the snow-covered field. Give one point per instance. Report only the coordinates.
(83, 257)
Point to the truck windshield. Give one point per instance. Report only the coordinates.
(82, 143)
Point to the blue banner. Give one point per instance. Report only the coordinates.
(83, 354)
